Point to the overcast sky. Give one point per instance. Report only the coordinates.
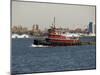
(67, 16)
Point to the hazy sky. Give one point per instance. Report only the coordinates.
(67, 16)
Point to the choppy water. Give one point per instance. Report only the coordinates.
(26, 59)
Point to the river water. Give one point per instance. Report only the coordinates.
(27, 59)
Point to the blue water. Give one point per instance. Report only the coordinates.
(26, 59)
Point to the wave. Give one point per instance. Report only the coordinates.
(39, 46)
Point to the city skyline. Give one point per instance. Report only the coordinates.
(67, 16)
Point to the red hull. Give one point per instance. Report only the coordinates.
(64, 41)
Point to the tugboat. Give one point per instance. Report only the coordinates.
(57, 38)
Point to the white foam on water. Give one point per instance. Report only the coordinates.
(38, 46)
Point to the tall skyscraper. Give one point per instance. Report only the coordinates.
(90, 28)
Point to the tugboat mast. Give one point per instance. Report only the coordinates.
(54, 22)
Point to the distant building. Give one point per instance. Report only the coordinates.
(90, 28)
(37, 27)
(19, 30)
(78, 30)
(94, 29)
(35, 30)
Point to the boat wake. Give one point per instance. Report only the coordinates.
(39, 46)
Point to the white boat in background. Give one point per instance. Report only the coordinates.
(20, 36)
